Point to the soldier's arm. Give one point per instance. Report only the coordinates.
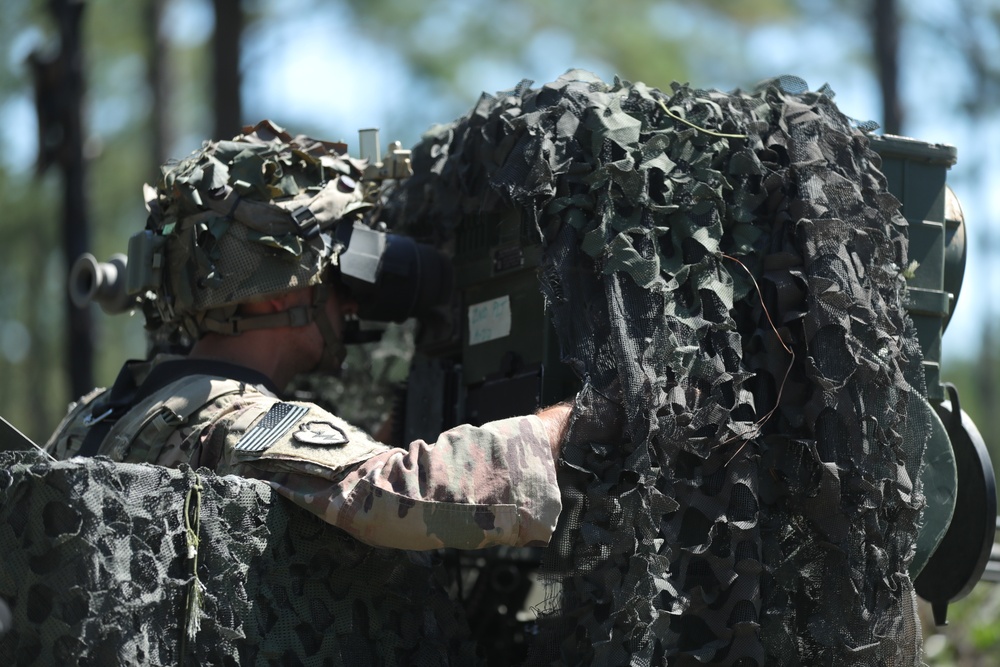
(473, 487)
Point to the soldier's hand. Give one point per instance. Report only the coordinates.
(555, 418)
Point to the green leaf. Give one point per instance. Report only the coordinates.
(289, 243)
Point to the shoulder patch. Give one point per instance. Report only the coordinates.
(320, 433)
(278, 420)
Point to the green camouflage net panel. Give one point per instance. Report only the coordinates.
(95, 567)
(757, 501)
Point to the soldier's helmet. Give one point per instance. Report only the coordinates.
(238, 221)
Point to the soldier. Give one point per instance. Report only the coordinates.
(241, 253)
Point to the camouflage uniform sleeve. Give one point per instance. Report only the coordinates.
(474, 487)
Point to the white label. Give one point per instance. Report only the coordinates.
(489, 320)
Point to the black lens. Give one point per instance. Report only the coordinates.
(410, 278)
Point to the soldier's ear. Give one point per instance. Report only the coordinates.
(276, 303)
(281, 302)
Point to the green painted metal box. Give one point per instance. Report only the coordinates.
(916, 173)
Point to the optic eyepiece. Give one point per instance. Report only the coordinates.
(391, 276)
(103, 282)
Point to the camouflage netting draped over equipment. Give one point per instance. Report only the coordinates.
(96, 565)
(725, 272)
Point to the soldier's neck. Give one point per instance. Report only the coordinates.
(257, 350)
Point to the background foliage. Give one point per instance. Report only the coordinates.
(328, 68)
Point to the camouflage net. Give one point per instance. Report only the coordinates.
(724, 271)
(95, 566)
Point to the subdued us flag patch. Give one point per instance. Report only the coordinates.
(278, 420)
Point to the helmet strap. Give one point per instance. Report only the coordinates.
(230, 324)
(226, 322)
(333, 345)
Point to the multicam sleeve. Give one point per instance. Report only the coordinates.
(474, 487)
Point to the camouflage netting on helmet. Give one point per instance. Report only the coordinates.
(243, 219)
(95, 566)
(724, 270)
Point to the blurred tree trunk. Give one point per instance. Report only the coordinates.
(76, 222)
(59, 92)
(159, 77)
(885, 36)
(226, 75)
(987, 373)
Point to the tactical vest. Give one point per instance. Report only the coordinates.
(132, 420)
